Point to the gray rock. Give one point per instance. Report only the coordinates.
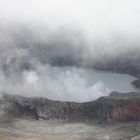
(122, 107)
(136, 83)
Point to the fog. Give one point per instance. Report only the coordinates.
(47, 48)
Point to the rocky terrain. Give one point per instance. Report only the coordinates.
(118, 107)
(40, 119)
(28, 129)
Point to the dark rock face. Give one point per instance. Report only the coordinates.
(18, 107)
(136, 83)
(116, 107)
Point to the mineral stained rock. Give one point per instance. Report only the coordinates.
(120, 107)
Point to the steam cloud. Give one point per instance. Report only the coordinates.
(44, 45)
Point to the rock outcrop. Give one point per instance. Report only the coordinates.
(136, 83)
(120, 107)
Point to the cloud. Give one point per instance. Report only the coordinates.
(51, 35)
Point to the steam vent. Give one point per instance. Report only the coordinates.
(69, 69)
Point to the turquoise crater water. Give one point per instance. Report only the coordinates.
(67, 83)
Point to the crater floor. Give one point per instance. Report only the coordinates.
(20, 129)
